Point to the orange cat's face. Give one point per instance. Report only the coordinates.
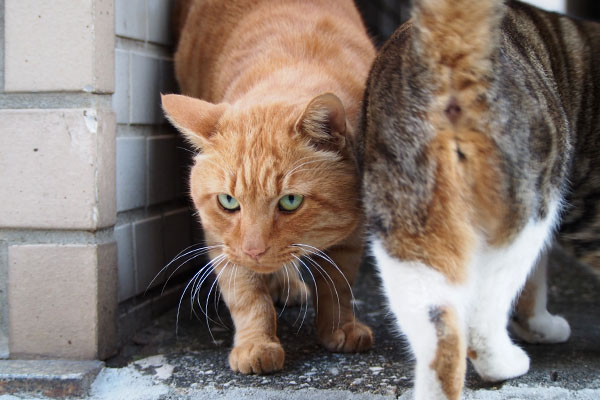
(260, 187)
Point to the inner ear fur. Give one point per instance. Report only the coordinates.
(324, 121)
(196, 119)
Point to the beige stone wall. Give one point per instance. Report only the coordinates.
(92, 177)
(57, 174)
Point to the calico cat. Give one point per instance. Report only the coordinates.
(274, 90)
(477, 140)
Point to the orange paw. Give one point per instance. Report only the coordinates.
(257, 358)
(352, 337)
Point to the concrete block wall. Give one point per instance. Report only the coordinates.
(4, 351)
(58, 273)
(154, 220)
(93, 185)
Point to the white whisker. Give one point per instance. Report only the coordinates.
(223, 168)
(196, 288)
(207, 300)
(207, 269)
(327, 279)
(314, 281)
(195, 153)
(190, 258)
(324, 256)
(193, 279)
(181, 254)
(235, 282)
(288, 289)
(218, 298)
(306, 302)
(295, 169)
(315, 251)
(304, 169)
(200, 281)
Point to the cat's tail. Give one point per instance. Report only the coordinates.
(460, 34)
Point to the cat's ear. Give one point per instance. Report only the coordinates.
(195, 118)
(324, 121)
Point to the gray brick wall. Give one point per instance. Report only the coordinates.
(154, 220)
(1, 45)
(3, 245)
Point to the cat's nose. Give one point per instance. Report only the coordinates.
(255, 252)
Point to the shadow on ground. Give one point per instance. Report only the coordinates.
(200, 361)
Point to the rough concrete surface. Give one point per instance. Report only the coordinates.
(160, 365)
(54, 378)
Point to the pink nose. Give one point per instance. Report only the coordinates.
(255, 252)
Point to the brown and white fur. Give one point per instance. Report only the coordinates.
(478, 140)
(274, 90)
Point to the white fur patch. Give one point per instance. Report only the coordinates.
(541, 327)
(482, 303)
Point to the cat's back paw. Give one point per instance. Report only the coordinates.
(257, 357)
(501, 363)
(352, 337)
(543, 328)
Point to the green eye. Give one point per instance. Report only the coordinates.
(290, 202)
(228, 202)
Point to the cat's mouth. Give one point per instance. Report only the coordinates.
(268, 264)
(263, 266)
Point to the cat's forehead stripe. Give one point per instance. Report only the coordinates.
(253, 177)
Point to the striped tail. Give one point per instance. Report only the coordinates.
(460, 34)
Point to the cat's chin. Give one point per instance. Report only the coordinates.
(262, 269)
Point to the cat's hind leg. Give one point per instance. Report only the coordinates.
(430, 312)
(500, 272)
(287, 288)
(332, 274)
(531, 320)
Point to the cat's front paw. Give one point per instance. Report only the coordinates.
(257, 358)
(501, 363)
(543, 328)
(352, 337)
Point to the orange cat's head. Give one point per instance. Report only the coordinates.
(270, 177)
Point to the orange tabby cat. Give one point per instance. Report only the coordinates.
(275, 183)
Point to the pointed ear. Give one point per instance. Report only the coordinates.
(324, 121)
(196, 119)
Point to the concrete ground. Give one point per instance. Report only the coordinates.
(160, 365)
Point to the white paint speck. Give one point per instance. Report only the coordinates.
(126, 383)
(91, 120)
(164, 372)
(375, 370)
(152, 361)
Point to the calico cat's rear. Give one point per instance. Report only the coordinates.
(478, 140)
